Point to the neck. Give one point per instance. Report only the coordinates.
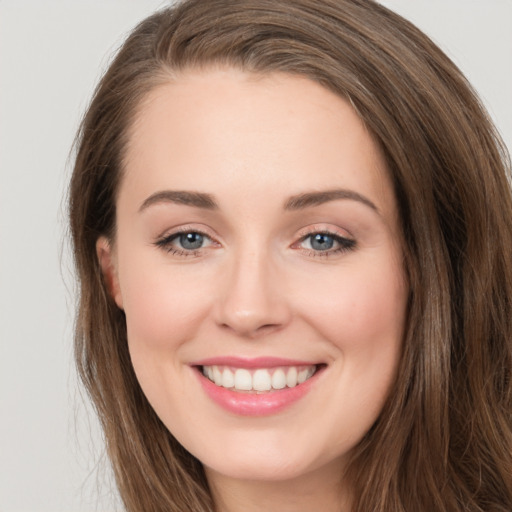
(318, 490)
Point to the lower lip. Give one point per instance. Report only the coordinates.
(256, 404)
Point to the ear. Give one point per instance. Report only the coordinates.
(106, 258)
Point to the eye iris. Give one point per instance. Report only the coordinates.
(191, 240)
(321, 242)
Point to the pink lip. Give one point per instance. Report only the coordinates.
(257, 362)
(253, 404)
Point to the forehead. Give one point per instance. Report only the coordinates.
(220, 129)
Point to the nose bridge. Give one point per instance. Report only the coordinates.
(252, 302)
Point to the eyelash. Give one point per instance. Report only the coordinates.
(166, 242)
(344, 244)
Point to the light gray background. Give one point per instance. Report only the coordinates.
(51, 55)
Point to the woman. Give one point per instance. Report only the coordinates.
(291, 223)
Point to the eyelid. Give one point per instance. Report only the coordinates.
(323, 228)
(164, 241)
(186, 228)
(346, 241)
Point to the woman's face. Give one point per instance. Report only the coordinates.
(257, 259)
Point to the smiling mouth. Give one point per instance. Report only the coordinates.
(258, 380)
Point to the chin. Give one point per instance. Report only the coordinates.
(264, 468)
(270, 460)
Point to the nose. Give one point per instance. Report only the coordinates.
(253, 299)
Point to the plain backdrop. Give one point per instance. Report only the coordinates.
(51, 55)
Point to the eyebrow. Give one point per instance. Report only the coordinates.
(294, 203)
(196, 199)
(308, 199)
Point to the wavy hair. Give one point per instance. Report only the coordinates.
(443, 441)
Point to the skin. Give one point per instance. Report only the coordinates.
(258, 287)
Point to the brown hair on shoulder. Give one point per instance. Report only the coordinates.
(444, 439)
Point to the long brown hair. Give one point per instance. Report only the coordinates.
(443, 441)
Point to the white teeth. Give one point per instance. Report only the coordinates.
(243, 380)
(302, 376)
(217, 376)
(279, 379)
(261, 379)
(228, 379)
(291, 377)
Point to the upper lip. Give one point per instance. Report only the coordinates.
(255, 362)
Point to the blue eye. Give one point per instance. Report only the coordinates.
(321, 242)
(191, 241)
(326, 243)
(185, 243)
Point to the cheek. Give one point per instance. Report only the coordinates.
(163, 307)
(362, 314)
(361, 308)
